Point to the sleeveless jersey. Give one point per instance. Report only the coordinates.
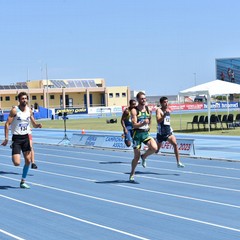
(164, 127)
(141, 116)
(127, 121)
(21, 122)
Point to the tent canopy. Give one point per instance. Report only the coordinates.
(213, 88)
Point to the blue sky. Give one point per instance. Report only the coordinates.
(150, 45)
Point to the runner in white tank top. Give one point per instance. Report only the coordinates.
(21, 122)
(19, 118)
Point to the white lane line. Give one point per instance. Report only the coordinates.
(180, 196)
(139, 176)
(136, 188)
(154, 168)
(118, 203)
(74, 218)
(11, 235)
(151, 160)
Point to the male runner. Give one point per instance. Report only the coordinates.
(19, 118)
(141, 120)
(164, 130)
(127, 123)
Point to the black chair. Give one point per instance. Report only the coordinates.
(205, 122)
(194, 121)
(219, 120)
(237, 120)
(213, 120)
(230, 121)
(201, 121)
(224, 118)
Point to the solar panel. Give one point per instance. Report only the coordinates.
(56, 84)
(92, 83)
(85, 83)
(62, 83)
(78, 83)
(71, 84)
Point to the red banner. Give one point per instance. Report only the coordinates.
(176, 107)
(186, 106)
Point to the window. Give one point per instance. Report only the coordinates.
(123, 94)
(34, 97)
(110, 95)
(41, 97)
(7, 98)
(117, 95)
(16, 98)
(1, 98)
(51, 97)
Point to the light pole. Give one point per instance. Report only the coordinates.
(47, 92)
(29, 98)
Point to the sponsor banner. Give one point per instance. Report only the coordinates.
(152, 107)
(185, 146)
(99, 141)
(114, 142)
(103, 110)
(186, 106)
(87, 140)
(198, 106)
(70, 111)
(223, 105)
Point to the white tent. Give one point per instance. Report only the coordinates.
(213, 88)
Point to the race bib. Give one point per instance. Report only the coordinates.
(23, 127)
(167, 120)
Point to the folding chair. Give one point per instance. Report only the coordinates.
(194, 121)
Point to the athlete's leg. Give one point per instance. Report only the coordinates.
(16, 152)
(135, 162)
(26, 149)
(159, 141)
(173, 141)
(34, 166)
(128, 138)
(152, 148)
(16, 159)
(27, 157)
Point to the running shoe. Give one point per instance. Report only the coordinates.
(180, 165)
(24, 185)
(144, 164)
(34, 166)
(131, 178)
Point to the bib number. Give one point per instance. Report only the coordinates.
(23, 127)
(167, 120)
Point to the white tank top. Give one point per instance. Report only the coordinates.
(21, 122)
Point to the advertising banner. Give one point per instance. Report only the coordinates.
(185, 146)
(70, 111)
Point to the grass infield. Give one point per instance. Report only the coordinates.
(178, 123)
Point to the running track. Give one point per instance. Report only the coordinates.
(84, 194)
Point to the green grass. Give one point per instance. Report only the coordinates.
(178, 123)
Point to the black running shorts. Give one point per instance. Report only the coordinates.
(20, 143)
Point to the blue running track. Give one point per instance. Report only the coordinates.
(80, 193)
